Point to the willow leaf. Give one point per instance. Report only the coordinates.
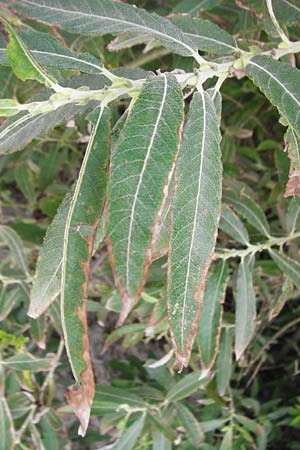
(211, 315)
(13, 241)
(46, 284)
(245, 306)
(130, 436)
(193, 6)
(83, 217)
(190, 424)
(206, 35)
(231, 224)
(127, 39)
(141, 169)
(26, 361)
(286, 11)
(22, 62)
(279, 82)
(8, 438)
(288, 265)
(48, 51)
(224, 361)
(195, 216)
(293, 215)
(99, 17)
(187, 386)
(250, 210)
(160, 442)
(292, 141)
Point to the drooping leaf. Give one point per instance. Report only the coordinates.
(292, 141)
(250, 210)
(206, 35)
(47, 281)
(48, 51)
(13, 241)
(293, 215)
(211, 314)
(81, 223)
(231, 224)
(187, 386)
(7, 441)
(130, 436)
(26, 361)
(22, 62)
(288, 265)
(101, 17)
(193, 6)
(141, 170)
(245, 306)
(279, 82)
(224, 361)
(193, 429)
(195, 215)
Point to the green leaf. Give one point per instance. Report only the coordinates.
(226, 443)
(195, 216)
(15, 244)
(293, 215)
(26, 361)
(47, 281)
(187, 386)
(231, 224)
(210, 425)
(9, 107)
(245, 306)
(211, 314)
(292, 141)
(38, 331)
(24, 182)
(81, 223)
(250, 210)
(7, 441)
(160, 442)
(48, 51)
(206, 35)
(285, 11)
(224, 361)
(191, 425)
(101, 17)
(139, 184)
(117, 396)
(8, 299)
(22, 62)
(279, 82)
(289, 266)
(130, 436)
(193, 6)
(123, 331)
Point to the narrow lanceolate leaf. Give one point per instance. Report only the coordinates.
(292, 141)
(13, 241)
(48, 51)
(195, 216)
(288, 265)
(245, 306)
(191, 425)
(26, 361)
(224, 361)
(187, 386)
(46, 284)
(8, 299)
(211, 315)
(250, 210)
(99, 17)
(22, 62)
(279, 82)
(206, 35)
(81, 224)
(293, 215)
(130, 436)
(193, 6)
(7, 441)
(160, 442)
(9, 107)
(231, 224)
(141, 171)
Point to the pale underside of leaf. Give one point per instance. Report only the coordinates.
(211, 315)
(105, 16)
(141, 170)
(245, 306)
(195, 216)
(82, 220)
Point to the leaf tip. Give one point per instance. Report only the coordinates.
(80, 397)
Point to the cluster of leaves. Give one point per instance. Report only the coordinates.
(184, 188)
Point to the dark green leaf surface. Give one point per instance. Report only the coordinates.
(245, 306)
(211, 314)
(288, 265)
(195, 216)
(191, 425)
(105, 16)
(26, 361)
(193, 6)
(13, 241)
(141, 168)
(160, 442)
(293, 215)
(224, 361)
(130, 436)
(7, 441)
(231, 224)
(81, 223)
(187, 386)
